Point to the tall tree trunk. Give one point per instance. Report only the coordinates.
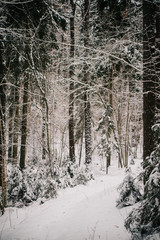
(24, 125)
(16, 126)
(157, 62)
(148, 78)
(10, 126)
(2, 111)
(111, 106)
(13, 126)
(87, 106)
(2, 127)
(43, 129)
(71, 86)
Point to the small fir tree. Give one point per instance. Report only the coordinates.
(129, 192)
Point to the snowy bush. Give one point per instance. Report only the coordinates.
(144, 220)
(129, 192)
(29, 185)
(0, 198)
(37, 183)
(70, 175)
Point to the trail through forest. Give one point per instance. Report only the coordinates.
(80, 213)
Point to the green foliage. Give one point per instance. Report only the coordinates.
(145, 219)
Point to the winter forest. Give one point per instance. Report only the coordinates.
(79, 119)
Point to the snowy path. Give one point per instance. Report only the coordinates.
(81, 213)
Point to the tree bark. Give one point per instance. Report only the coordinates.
(71, 86)
(148, 78)
(24, 125)
(2, 113)
(2, 127)
(43, 129)
(87, 106)
(13, 127)
(157, 63)
(16, 126)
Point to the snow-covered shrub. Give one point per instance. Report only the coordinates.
(145, 219)
(70, 175)
(37, 183)
(0, 198)
(29, 185)
(129, 192)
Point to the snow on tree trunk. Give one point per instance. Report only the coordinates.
(71, 85)
(24, 125)
(87, 107)
(148, 78)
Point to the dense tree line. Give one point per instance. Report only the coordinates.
(66, 69)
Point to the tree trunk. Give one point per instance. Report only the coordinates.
(24, 125)
(2, 128)
(71, 86)
(148, 78)
(43, 129)
(16, 126)
(157, 63)
(13, 127)
(87, 106)
(10, 127)
(2, 112)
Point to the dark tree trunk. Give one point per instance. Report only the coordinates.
(2, 127)
(10, 126)
(157, 63)
(87, 106)
(13, 127)
(2, 113)
(16, 126)
(24, 125)
(149, 77)
(43, 129)
(71, 86)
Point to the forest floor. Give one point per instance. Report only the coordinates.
(85, 212)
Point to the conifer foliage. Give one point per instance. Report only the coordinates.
(129, 192)
(145, 219)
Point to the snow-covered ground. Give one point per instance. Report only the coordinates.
(80, 213)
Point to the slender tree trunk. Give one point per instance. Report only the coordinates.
(148, 78)
(43, 129)
(126, 147)
(16, 127)
(2, 112)
(87, 106)
(71, 86)
(10, 126)
(48, 140)
(2, 128)
(24, 125)
(13, 127)
(2, 182)
(111, 106)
